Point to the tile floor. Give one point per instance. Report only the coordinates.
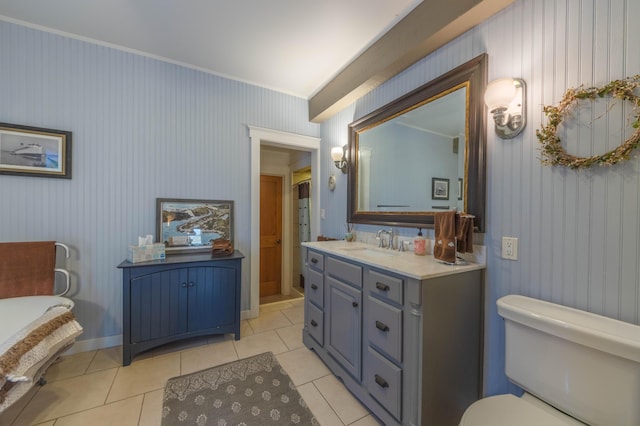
(92, 388)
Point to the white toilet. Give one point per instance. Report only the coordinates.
(575, 368)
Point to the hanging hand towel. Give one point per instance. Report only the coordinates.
(445, 236)
(464, 233)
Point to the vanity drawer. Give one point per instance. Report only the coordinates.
(384, 382)
(315, 260)
(385, 286)
(315, 323)
(347, 272)
(314, 289)
(384, 328)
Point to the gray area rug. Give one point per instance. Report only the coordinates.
(251, 391)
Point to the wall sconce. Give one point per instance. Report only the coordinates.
(506, 99)
(339, 157)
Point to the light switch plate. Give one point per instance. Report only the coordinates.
(510, 248)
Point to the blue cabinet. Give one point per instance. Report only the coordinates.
(184, 296)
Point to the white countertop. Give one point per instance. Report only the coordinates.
(405, 263)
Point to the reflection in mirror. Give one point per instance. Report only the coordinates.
(422, 153)
(426, 146)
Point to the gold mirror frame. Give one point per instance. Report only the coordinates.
(472, 74)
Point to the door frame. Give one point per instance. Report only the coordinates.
(260, 136)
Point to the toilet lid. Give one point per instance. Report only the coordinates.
(509, 410)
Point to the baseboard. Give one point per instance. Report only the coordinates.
(94, 344)
(107, 342)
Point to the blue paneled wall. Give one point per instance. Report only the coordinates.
(142, 129)
(578, 230)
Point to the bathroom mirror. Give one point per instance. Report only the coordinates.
(422, 153)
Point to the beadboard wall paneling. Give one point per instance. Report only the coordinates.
(142, 129)
(578, 230)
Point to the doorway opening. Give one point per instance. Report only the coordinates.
(299, 143)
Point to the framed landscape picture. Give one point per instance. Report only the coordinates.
(34, 151)
(439, 189)
(192, 225)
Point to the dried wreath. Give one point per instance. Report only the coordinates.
(552, 151)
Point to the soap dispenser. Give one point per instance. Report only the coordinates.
(419, 244)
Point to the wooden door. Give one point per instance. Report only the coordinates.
(270, 235)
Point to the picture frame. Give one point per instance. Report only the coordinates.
(439, 188)
(186, 225)
(35, 151)
(460, 188)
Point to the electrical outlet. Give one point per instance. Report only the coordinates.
(510, 248)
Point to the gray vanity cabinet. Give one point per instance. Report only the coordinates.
(409, 349)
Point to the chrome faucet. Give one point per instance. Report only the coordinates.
(381, 240)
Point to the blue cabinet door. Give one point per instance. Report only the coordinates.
(343, 327)
(159, 305)
(212, 297)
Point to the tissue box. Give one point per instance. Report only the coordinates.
(146, 253)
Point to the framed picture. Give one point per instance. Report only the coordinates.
(34, 151)
(460, 188)
(439, 189)
(192, 225)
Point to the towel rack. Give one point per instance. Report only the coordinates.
(64, 271)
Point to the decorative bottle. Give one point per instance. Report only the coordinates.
(419, 244)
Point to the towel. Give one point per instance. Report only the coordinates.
(464, 233)
(27, 268)
(444, 248)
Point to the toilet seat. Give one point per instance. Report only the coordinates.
(509, 410)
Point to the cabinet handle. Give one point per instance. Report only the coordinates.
(381, 382)
(314, 323)
(183, 285)
(314, 260)
(314, 287)
(191, 284)
(382, 326)
(354, 304)
(382, 286)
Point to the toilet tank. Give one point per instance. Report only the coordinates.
(581, 363)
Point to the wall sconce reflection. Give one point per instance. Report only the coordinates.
(339, 157)
(506, 100)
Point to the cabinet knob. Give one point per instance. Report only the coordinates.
(354, 304)
(192, 284)
(314, 260)
(314, 323)
(382, 286)
(183, 285)
(381, 382)
(314, 287)
(382, 326)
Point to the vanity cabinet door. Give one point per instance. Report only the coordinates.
(159, 305)
(211, 293)
(343, 328)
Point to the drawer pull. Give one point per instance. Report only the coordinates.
(381, 382)
(382, 326)
(382, 286)
(354, 304)
(314, 287)
(314, 323)
(314, 260)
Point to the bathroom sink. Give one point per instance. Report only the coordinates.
(369, 251)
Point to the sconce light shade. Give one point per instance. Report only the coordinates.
(339, 157)
(506, 100)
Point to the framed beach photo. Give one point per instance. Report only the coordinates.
(192, 225)
(35, 151)
(439, 189)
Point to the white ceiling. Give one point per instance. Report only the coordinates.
(292, 46)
